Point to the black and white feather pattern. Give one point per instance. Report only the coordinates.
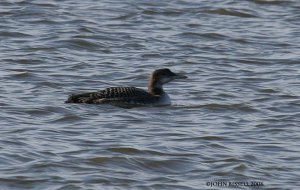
(115, 95)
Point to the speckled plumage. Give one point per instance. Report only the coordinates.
(132, 96)
(127, 95)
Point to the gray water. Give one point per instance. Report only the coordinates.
(236, 118)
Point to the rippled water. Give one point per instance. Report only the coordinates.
(236, 118)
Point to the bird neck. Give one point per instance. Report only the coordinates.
(155, 87)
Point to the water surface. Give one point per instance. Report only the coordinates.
(236, 118)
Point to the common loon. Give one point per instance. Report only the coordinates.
(132, 96)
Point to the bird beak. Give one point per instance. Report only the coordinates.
(179, 76)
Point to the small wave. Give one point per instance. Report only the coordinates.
(125, 16)
(82, 44)
(44, 4)
(268, 90)
(107, 159)
(162, 12)
(67, 119)
(21, 74)
(211, 138)
(128, 150)
(240, 168)
(208, 138)
(212, 35)
(164, 166)
(37, 112)
(238, 107)
(216, 106)
(218, 146)
(230, 12)
(151, 55)
(14, 34)
(226, 160)
(272, 2)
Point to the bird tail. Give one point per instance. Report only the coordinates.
(79, 98)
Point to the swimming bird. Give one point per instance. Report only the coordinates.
(132, 96)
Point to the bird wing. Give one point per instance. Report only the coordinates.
(115, 95)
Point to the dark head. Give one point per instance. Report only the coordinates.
(160, 77)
